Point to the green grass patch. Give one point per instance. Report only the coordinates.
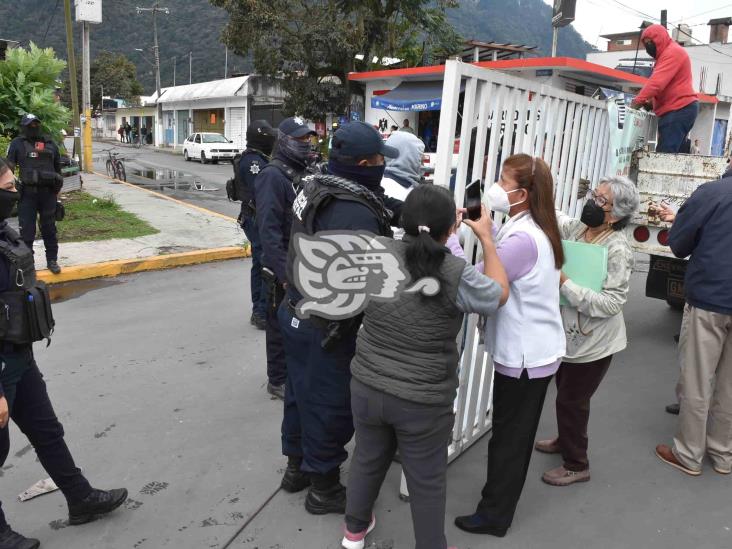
(92, 218)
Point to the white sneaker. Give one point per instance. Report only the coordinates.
(356, 541)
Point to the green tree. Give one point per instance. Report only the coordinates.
(28, 80)
(117, 75)
(112, 71)
(313, 44)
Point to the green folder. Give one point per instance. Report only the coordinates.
(585, 264)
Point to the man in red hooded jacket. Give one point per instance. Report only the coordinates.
(669, 90)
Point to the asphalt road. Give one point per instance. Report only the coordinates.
(159, 381)
(169, 173)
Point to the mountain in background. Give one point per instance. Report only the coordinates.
(195, 26)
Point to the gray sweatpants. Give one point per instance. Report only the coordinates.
(384, 423)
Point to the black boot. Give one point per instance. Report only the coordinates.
(99, 502)
(294, 480)
(52, 265)
(327, 494)
(476, 524)
(13, 540)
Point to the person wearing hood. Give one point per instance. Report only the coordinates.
(39, 161)
(669, 90)
(318, 423)
(274, 191)
(23, 393)
(404, 172)
(260, 141)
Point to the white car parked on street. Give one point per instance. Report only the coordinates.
(208, 147)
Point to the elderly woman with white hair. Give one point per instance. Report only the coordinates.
(593, 323)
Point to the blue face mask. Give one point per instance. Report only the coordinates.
(368, 176)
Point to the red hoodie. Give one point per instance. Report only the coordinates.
(670, 86)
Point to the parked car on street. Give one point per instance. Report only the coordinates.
(208, 147)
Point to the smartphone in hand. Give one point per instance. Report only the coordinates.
(473, 200)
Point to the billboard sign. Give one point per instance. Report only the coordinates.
(563, 13)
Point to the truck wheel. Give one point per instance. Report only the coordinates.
(203, 158)
(185, 156)
(675, 303)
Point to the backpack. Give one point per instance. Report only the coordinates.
(233, 186)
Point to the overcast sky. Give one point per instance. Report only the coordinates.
(596, 17)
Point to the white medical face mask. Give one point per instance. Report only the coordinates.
(498, 198)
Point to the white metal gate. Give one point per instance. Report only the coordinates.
(510, 115)
(237, 124)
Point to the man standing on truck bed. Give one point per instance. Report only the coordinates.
(669, 90)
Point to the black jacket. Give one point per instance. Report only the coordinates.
(273, 195)
(703, 230)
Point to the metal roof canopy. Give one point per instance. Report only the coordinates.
(491, 51)
(215, 89)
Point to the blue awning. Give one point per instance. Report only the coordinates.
(411, 96)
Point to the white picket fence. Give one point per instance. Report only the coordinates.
(568, 131)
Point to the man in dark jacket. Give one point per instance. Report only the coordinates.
(260, 141)
(39, 161)
(274, 191)
(318, 423)
(703, 230)
(669, 90)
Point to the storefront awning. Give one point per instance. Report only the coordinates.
(411, 96)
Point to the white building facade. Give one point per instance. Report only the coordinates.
(224, 106)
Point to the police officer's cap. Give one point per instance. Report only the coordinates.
(28, 118)
(295, 127)
(356, 139)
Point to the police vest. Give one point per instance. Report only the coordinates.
(25, 307)
(318, 191)
(37, 166)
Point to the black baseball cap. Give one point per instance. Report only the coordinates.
(28, 118)
(295, 127)
(355, 139)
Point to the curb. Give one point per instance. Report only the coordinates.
(138, 265)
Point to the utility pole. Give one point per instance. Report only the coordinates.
(86, 97)
(72, 77)
(175, 64)
(190, 67)
(155, 9)
(555, 36)
(226, 62)
(664, 18)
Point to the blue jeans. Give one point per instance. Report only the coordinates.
(673, 127)
(259, 297)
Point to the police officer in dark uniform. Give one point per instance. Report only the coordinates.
(39, 161)
(23, 398)
(317, 423)
(260, 141)
(274, 192)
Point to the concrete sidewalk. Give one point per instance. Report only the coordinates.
(186, 232)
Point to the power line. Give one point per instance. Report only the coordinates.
(50, 22)
(703, 13)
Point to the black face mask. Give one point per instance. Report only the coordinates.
(592, 214)
(7, 201)
(369, 176)
(651, 49)
(32, 132)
